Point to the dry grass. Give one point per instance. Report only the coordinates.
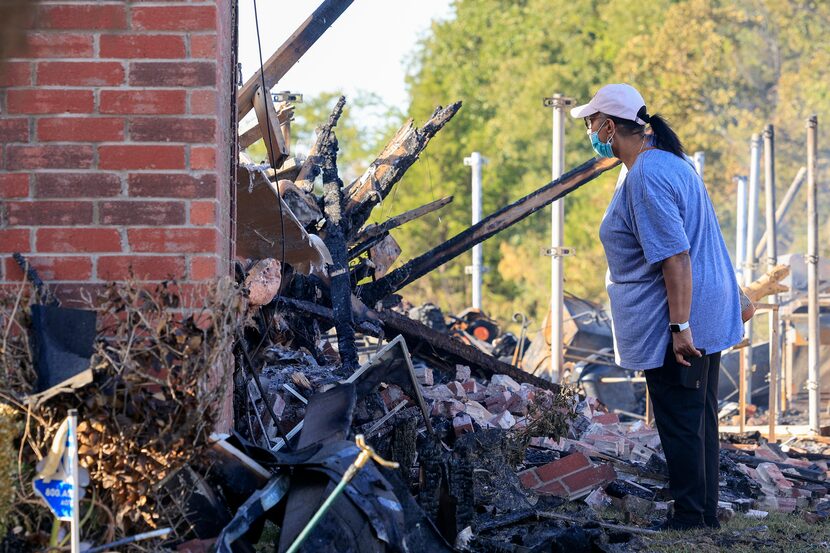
(779, 533)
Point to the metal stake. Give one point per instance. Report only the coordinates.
(772, 256)
(475, 162)
(813, 344)
(72, 456)
(740, 226)
(751, 262)
(557, 220)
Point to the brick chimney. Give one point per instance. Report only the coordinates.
(115, 143)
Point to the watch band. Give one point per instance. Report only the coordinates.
(678, 327)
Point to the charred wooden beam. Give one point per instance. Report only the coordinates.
(431, 344)
(398, 156)
(481, 231)
(341, 289)
(373, 231)
(313, 164)
(443, 349)
(366, 245)
(290, 52)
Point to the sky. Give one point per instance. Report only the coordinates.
(365, 49)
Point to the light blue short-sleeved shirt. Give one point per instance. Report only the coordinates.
(661, 209)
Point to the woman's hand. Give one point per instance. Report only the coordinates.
(684, 346)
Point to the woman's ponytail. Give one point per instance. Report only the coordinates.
(664, 137)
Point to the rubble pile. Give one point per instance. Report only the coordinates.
(434, 437)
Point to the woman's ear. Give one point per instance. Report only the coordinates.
(611, 128)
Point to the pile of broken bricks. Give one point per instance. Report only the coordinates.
(607, 463)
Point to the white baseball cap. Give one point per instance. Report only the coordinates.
(619, 100)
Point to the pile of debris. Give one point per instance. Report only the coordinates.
(486, 456)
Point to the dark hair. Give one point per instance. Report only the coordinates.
(664, 137)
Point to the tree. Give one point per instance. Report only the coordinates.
(719, 70)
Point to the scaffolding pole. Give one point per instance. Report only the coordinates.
(740, 225)
(557, 251)
(812, 277)
(751, 262)
(772, 261)
(475, 162)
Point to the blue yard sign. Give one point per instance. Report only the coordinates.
(59, 475)
(58, 495)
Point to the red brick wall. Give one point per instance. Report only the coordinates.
(115, 148)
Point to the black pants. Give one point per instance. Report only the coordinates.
(687, 421)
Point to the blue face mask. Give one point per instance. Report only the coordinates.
(603, 149)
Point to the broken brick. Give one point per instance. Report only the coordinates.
(424, 376)
(505, 381)
(457, 390)
(563, 467)
(582, 482)
(770, 473)
(503, 420)
(447, 408)
(462, 373)
(462, 423)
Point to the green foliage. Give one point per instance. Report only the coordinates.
(719, 70)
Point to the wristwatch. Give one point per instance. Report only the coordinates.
(675, 327)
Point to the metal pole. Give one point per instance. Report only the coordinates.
(476, 161)
(72, 456)
(812, 277)
(772, 258)
(783, 208)
(699, 161)
(751, 262)
(557, 278)
(772, 417)
(740, 226)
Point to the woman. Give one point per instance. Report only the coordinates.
(674, 302)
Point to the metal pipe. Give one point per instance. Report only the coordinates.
(740, 225)
(751, 262)
(783, 208)
(772, 259)
(813, 359)
(75, 476)
(475, 162)
(557, 221)
(773, 412)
